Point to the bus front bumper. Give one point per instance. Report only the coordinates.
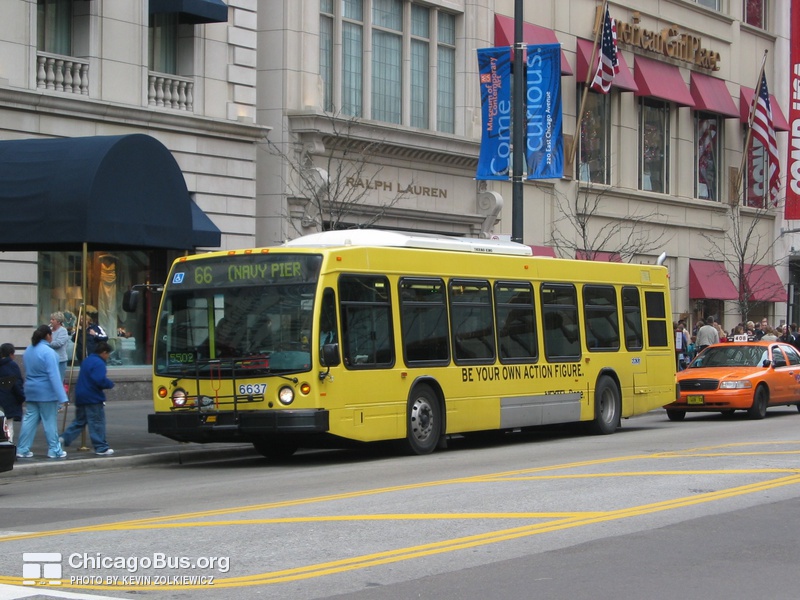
(249, 426)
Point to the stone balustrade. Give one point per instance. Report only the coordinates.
(170, 91)
(62, 73)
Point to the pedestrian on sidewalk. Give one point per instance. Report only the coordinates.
(59, 341)
(90, 400)
(12, 394)
(44, 393)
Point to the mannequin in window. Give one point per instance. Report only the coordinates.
(107, 293)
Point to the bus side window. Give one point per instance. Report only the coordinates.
(602, 320)
(472, 323)
(632, 318)
(560, 313)
(423, 315)
(656, 313)
(516, 321)
(367, 339)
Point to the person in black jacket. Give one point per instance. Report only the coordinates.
(12, 393)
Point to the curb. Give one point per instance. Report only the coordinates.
(178, 456)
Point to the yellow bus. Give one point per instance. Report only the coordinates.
(366, 335)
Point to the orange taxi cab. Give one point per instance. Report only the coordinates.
(732, 376)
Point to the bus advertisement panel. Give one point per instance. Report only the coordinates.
(360, 336)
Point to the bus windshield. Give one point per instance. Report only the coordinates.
(252, 315)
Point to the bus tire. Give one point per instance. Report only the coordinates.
(675, 415)
(607, 407)
(423, 421)
(273, 450)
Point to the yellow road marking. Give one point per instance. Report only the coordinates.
(560, 520)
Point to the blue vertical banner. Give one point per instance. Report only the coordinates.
(544, 145)
(494, 65)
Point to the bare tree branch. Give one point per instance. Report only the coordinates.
(742, 246)
(340, 193)
(581, 228)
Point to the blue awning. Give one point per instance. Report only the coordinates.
(204, 233)
(122, 191)
(192, 11)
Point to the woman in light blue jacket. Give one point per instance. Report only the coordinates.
(44, 393)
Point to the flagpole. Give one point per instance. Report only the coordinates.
(518, 133)
(749, 135)
(589, 75)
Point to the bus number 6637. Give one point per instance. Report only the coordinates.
(252, 389)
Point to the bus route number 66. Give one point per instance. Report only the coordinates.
(252, 389)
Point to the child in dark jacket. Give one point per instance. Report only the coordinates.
(12, 393)
(90, 399)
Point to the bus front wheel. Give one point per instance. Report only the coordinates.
(607, 407)
(424, 421)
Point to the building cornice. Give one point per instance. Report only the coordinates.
(385, 140)
(136, 117)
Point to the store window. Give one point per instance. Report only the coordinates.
(400, 35)
(326, 51)
(387, 57)
(446, 74)
(707, 153)
(163, 43)
(709, 3)
(109, 275)
(594, 148)
(755, 13)
(54, 26)
(654, 146)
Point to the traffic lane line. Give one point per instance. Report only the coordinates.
(559, 521)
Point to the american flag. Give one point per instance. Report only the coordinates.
(764, 132)
(608, 64)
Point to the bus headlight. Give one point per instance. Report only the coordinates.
(286, 395)
(179, 398)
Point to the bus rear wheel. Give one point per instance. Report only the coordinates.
(607, 407)
(274, 450)
(424, 421)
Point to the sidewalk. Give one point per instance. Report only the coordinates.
(126, 432)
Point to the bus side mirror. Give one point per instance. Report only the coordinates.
(130, 301)
(330, 358)
(330, 355)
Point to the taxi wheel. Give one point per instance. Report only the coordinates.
(675, 415)
(607, 407)
(424, 421)
(759, 408)
(798, 407)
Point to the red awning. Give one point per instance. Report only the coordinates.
(779, 122)
(709, 279)
(531, 35)
(660, 80)
(712, 95)
(623, 80)
(543, 251)
(764, 284)
(598, 256)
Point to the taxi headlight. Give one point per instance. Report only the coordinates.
(286, 395)
(735, 385)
